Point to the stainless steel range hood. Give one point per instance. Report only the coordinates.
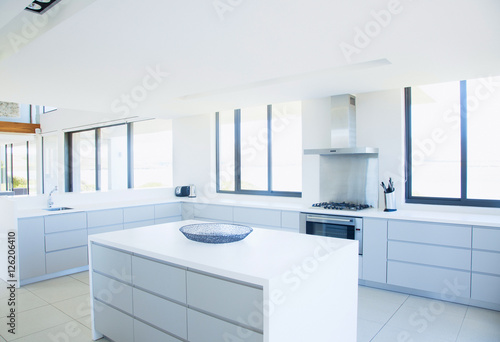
(343, 129)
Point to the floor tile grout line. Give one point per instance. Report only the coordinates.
(462, 324)
(383, 326)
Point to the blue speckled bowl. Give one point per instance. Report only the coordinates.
(215, 232)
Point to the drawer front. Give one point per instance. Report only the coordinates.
(430, 255)
(112, 292)
(484, 238)
(73, 238)
(161, 313)
(290, 220)
(168, 219)
(101, 218)
(105, 229)
(144, 332)
(66, 259)
(487, 262)
(138, 224)
(65, 222)
(165, 280)
(141, 213)
(112, 262)
(224, 298)
(214, 212)
(433, 233)
(254, 216)
(485, 288)
(167, 210)
(428, 278)
(203, 328)
(113, 324)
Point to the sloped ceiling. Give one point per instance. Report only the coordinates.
(168, 58)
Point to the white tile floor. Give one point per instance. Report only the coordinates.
(58, 310)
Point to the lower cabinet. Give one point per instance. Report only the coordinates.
(66, 259)
(486, 265)
(162, 302)
(31, 235)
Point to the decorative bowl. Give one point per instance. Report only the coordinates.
(215, 232)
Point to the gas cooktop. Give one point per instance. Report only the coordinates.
(341, 206)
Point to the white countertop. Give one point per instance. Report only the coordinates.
(260, 257)
(486, 220)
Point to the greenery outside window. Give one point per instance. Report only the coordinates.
(259, 150)
(452, 143)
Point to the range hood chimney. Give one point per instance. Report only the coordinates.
(343, 128)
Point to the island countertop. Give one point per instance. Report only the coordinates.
(260, 257)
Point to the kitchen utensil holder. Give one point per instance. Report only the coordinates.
(390, 201)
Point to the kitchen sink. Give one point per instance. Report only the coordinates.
(57, 208)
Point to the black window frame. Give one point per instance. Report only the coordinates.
(237, 161)
(463, 200)
(68, 153)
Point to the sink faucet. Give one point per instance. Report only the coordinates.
(50, 202)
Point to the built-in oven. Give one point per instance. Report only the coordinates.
(343, 227)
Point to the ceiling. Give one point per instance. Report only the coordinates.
(169, 58)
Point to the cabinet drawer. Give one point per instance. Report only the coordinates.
(143, 331)
(112, 292)
(138, 224)
(168, 219)
(65, 222)
(290, 220)
(428, 278)
(141, 213)
(203, 328)
(101, 218)
(214, 212)
(485, 288)
(161, 313)
(66, 259)
(112, 262)
(165, 280)
(487, 262)
(73, 238)
(485, 238)
(32, 252)
(254, 216)
(433, 233)
(167, 210)
(105, 229)
(112, 323)
(224, 298)
(430, 255)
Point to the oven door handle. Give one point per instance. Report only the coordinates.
(322, 219)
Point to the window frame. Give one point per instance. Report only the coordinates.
(237, 160)
(463, 200)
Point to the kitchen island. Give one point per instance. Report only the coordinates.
(152, 282)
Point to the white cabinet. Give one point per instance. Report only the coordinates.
(212, 212)
(264, 218)
(429, 256)
(486, 265)
(290, 220)
(374, 250)
(65, 241)
(136, 299)
(141, 216)
(103, 221)
(32, 248)
(168, 212)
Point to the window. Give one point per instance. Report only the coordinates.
(259, 150)
(18, 167)
(133, 155)
(452, 139)
(50, 161)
